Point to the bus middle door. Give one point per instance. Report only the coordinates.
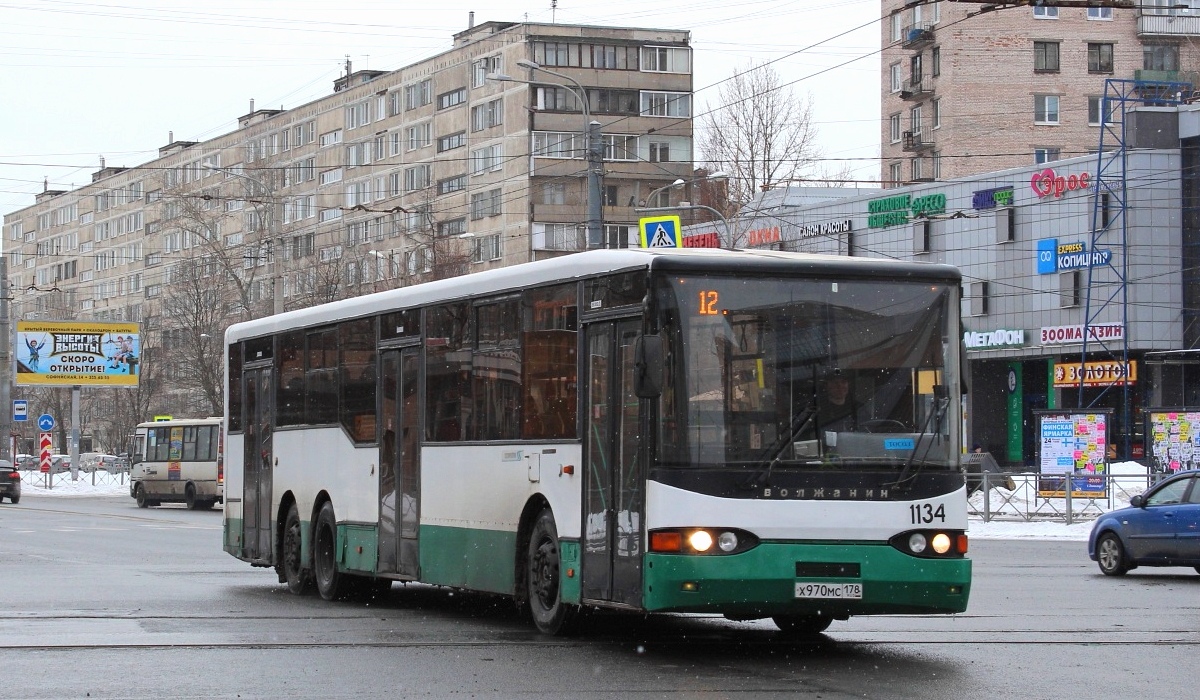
(257, 526)
(399, 462)
(612, 552)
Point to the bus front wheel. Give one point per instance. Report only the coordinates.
(143, 501)
(298, 577)
(331, 584)
(542, 572)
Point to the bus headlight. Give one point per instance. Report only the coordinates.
(932, 544)
(701, 540)
(916, 543)
(941, 543)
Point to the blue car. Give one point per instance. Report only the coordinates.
(1161, 527)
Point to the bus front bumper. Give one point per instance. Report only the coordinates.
(763, 582)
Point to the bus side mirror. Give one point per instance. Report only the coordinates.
(648, 366)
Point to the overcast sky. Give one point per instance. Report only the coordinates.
(112, 78)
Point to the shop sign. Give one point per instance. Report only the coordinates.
(702, 240)
(831, 228)
(990, 199)
(892, 211)
(1056, 257)
(1047, 182)
(999, 338)
(1060, 335)
(762, 236)
(1106, 373)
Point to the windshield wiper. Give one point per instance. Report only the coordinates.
(934, 419)
(774, 454)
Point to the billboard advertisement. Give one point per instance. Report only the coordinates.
(1073, 449)
(87, 353)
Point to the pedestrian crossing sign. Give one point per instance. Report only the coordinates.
(660, 232)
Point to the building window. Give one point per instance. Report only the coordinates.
(331, 138)
(452, 184)
(914, 69)
(666, 104)
(620, 236)
(662, 59)
(936, 108)
(417, 177)
(485, 204)
(1100, 58)
(921, 235)
(978, 298)
(620, 146)
(487, 159)
(557, 237)
(481, 68)
(1045, 109)
(894, 128)
(1070, 289)
(610, 196)
(485, 248)
(1094, 110)
(487, 115)
(915, 120)
(418, 94)
(894, 72)
(1045, 56)
(935, 61)
(453, 227)
(895, 176)
(660, 152)
(557, 144)
(1160, 57)
(449, 143)
(1044, 12)
(896, 27)
(936, 162)
(358, 115)
(419, 135)
(916, 169)
(1101, 13)
(452, 98)
(554, 193)
(1045, 154)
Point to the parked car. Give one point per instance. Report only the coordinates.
(10, 481)
(27, 462)
(91, 461)
(60, 463)
(1161, 527)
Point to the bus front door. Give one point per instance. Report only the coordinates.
(257, 527)
(612, 552)
(399, 464)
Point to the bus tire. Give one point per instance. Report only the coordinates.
(331, 583)
(139, 494)
(189, 497)
(298, 577)
(802, 625)
(544, 591)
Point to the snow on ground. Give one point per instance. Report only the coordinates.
(1008, 527)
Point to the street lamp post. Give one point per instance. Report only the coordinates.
(273, 269)
(688, 206)
(593, 145)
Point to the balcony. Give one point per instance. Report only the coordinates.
(917, 36)
(1168, 25)
(914, 142)
(916, 89)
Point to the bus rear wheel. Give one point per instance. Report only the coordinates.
(298, 577)
(331, 583)
(189, 497)
(542, 576)
(802, 625)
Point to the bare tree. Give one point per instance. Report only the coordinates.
(761, 134)
(197, 305)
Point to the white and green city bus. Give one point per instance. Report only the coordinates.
(620, 429)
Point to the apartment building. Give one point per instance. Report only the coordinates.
(396, 177)
(968, 88)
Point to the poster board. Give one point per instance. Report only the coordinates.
(1173, 435)
(1073, 452)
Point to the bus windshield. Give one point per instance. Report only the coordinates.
(842, 373)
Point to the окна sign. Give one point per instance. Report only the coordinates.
(1047, 182)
